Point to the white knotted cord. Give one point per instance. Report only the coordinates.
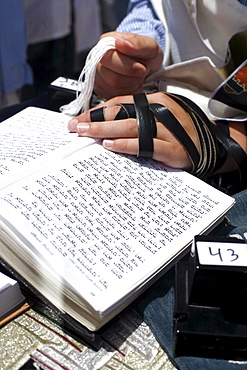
(87, 77)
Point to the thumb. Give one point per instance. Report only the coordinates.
(137, 47)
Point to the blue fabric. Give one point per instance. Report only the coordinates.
(238, 216)
(14, 70)
(157, 308)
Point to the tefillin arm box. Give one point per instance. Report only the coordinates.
(210, 318)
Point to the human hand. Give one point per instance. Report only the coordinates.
(122, 135)
(123, 71)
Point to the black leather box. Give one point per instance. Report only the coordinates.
(210, 318)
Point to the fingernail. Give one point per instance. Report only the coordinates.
(82, 127)
(108, 144)
(73, 124)
(127, 42)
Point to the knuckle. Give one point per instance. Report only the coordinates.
(115, 79)
(131, 126)
(121, 145)
(159, 96)
(96, 130)
(116, 100)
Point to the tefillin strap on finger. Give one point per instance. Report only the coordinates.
(97, 115)
(146, 126)
(126, 111)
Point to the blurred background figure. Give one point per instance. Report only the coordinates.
(41, 40)
(112, 13)
(87, 28)
(14, 70)
(60, 32)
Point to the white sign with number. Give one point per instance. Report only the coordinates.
(222, 254)
(65, 83)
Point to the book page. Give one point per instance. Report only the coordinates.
(106, 222)
(33, 138)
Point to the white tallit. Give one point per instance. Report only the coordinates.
(199, 31)
(196, 43)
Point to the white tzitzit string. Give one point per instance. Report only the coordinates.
(87, 76)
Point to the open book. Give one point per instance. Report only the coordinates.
(88, 228)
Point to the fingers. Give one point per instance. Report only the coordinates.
(109, 129)
(121, 136)
(109, 83)
(170, 154)
(127, 146)
(143, 49)
(137, 47)
(122, 71)
(118, 74)
(122, 64)
(111, 108)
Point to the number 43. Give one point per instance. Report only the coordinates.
(224, 255)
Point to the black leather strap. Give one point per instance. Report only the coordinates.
(97, 115)
(215, 141)
(145, 121)
(206, 134)
(126, 111)
(216, 137)
(235, 151)
(146, 126)
(167, 118)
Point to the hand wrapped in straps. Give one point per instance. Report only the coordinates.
(167, 127)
